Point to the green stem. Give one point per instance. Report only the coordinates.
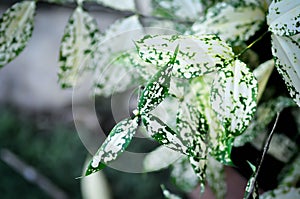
(250, 45)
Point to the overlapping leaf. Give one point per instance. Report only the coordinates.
(163, 134)
(160, 158)
(284, 17)
(286, 51)
(16, 25)
(233, 97)
(199, 166)
(282, 193)
(78, 46)
(234, 21)
(177, 9)
(126, 5)
(116, 142)
(198, 55)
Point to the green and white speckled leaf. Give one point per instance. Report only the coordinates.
(160, 158)
(78, 47)
(16, 25)
(116, 142)
(183, 175)
(286, 51)
(234, 21)
(199, 166)
(284, 17)
(290, 174)
(262, 74)
(233, 97)
(177, 9)
(264, 115)
(157, 88)
(197, 55)
(163, 134)
(251, 190)
(125, 5)
(215, 176)
(282, 193)
(168, 194)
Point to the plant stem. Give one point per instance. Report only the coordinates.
(266, 148)
(250, 45)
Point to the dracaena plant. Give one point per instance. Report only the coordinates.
(197, 73)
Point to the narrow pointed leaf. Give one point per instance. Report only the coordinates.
(234, 21)
(286, 52)
(163, 134)
(183, 175)
(157, 88)
(233, 97)
(282, 193)
(77, 48)
(284, 17)
(116, 142)
(251, 190)
(197, 55)
(160, 158)
(16, 26)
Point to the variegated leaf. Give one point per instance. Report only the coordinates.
(157, 88)
(199, 166)
(282, 193)
(168, 194)
(235, 21)
(251, 190)
(284, 17)
(116, 142)
(163, 134)
(160, 158)
(290, 174)
(198, 55)
(16, 25)
(262, 74)
(286, 51)
(193, 128)
(177, 9)
(215, 176)
(233, 97)
(264, 115)
(126, 5)
(183, 175)
(78, 46)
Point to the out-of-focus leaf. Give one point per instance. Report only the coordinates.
(199, 166)
(282, 193)
(286, 51)
(233, 97)
(157, 88)
(262, 74)
(290, 174)
(78, 47)
(234, 21)
(197, 55)
(163, 134)
(16, 25)
(177, 9)
(160, 158)
(126, 5)
(168, 194)
(215, 176)
(183, 175)
(284, 17)
(116, 142)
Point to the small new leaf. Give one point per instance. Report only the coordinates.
(233, 97)
(77, 48)
(284, 17)
(198, 55)
(16, 26)
(116, 142)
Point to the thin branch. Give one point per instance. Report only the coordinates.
(265, 150)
